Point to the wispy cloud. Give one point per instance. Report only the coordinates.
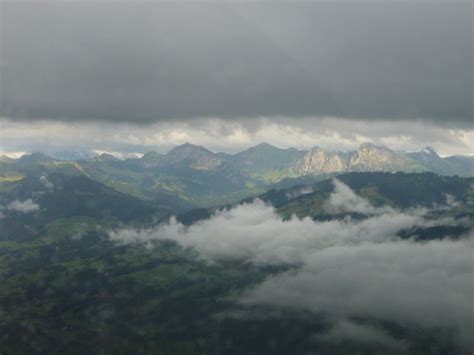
(26, 206)
(48, 184)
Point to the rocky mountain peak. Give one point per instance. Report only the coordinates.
(318, 161)
(195, 156)
(189, 150)
(370, 157)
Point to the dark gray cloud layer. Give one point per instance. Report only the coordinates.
(148, 61)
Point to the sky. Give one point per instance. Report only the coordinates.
(133, 76)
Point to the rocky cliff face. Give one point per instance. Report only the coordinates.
(318, 161)
(367, 158)
(373, 158)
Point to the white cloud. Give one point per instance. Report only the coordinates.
(342, 268)
(350, 331)
(26, 206)
(230, 136)
(12, 154)
(118, 155)
(302, 191)
(256, 233)
(428, 285)
(344, 200)
(451, 201)
(48, 184)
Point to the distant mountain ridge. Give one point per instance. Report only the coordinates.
(265, 158)
(193, 175)
(193, 156)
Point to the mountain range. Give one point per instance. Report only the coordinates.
(193, 176)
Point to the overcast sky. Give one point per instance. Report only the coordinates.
(292, 73)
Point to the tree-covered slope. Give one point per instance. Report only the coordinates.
(29, 204)
(399, 190)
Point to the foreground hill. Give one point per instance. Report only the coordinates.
(398, 190)
(65, 279)
(29, 204)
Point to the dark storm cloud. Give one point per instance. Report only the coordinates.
(148, 61)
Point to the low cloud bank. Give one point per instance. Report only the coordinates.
(26, 206)
(427, 285)
(361, 333)
(256, 233)
(342, 268)
(344, 200)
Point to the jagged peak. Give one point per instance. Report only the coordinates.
(198, 157)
